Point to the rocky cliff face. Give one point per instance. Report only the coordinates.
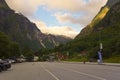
(104, 10)
(3, 4)
(112, 18)
(110, 3)
(26, 33)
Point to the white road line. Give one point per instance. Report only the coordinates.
(52, 74)
(93, 76)
(49, 72)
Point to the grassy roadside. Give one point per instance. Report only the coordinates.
(115, 59)
(77, 59)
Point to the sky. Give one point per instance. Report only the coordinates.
(59, 17)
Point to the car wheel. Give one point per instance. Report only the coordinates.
(4, 68)
(0, 69)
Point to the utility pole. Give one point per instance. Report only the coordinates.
(100, 39)
(101, 47)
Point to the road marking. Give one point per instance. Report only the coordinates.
(49, 72)
(93, 76)
(52, 74)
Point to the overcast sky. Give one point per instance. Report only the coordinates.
(61, 17)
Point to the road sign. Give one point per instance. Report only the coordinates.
(101, 46)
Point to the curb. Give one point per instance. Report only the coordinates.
(94, 63)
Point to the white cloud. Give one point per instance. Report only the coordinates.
(75, 5)
(63, 18)
(26, 7)
(57, 30)
(29, 7)
(90, 9)
(69, 18)
(70, 7)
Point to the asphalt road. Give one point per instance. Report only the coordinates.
(60, 71)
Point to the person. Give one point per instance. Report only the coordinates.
(100, 56)
(98, 61)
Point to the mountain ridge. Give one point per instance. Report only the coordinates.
(21, 30)
(104, 10)
(110, 3)
(105, 32)
(3, 4)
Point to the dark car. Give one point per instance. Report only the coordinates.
(4, 65)
(1, 66)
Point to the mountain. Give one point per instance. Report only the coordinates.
(50, 41)
(101, 14)
(3, 4)
(8, 48)
(24, 32)
(110, 3)
(105, 30)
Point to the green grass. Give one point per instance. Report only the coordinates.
(77, 59)
(115, 59)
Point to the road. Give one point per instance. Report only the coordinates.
(60, 71)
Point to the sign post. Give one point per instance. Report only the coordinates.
(101, 46)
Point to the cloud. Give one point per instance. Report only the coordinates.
(57, 30)
(29, 7)
(26, 7)
(90, 9)
(67, 8)
(75, 5)
(69, 5)
(69, 18)
(63, 18)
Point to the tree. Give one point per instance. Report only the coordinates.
(8, 48)
(27, 52)
(14, 49)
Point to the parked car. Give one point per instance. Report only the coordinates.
(1, 66)
(17, 60)
(4, 65)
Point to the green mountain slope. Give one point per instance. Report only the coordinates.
(110, 3)
(24, 32)
(106, 31)
(109, 29)
(89, 28)
(3, 4)
(8, 48)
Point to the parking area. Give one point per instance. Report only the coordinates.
(60, 71)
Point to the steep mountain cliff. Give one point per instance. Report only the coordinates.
(89, 28)
(26, 33)
(110, 3)
(3, 4)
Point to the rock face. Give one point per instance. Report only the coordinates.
(26, 33)
(110, 3)
(3, 4)
(112, 18)
(104, 10)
